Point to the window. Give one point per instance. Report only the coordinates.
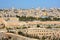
(49, 33)
(42, 33)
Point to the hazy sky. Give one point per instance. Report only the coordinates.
(29, 3)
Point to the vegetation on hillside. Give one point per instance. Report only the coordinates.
(24, 18)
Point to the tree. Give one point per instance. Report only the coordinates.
(24, 27)
(49, 26)
(43, 38)
(38, 25)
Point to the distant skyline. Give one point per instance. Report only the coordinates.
(29, 4)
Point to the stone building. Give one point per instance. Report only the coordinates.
(40, 32)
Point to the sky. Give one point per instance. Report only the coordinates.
(30, 3)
